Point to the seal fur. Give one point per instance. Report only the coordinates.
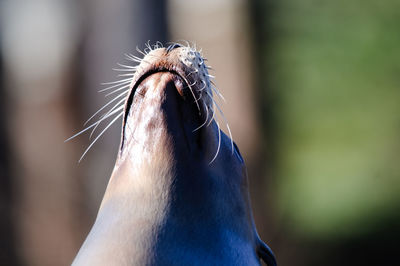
(178, 194)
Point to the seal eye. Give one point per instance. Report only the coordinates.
(173, 46)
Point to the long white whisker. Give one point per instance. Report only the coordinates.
(194, 96)
(133, 58)
(205, 85)
(159, 44)
(226, 121)
(107, 104)
(217, 92)
(101, 133)
(84, 130)
(182, 42)
(140, 51)
(219, 144)
(126, 75)
(124, 69)
(80, 132)
(212, 117)
(205, 121)
(126, 66)
(126, 87)
(147, 44)
(113, 86)
(105, 116)
(117, 81)
(198, 99)
(195, 71)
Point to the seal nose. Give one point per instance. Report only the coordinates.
(173, 46)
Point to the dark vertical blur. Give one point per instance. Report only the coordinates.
(265, 102)
(8, 254)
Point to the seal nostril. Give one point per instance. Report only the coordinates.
(142, 92)
(173, 46)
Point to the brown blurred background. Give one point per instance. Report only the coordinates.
(313, 100)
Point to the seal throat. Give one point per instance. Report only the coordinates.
(183, 61)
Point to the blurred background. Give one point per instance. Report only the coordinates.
(313, 101)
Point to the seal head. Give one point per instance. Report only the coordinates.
(178, 194)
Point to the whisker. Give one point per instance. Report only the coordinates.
(205, 121)
(140, 51)
(133, 58)
(105, 116)
(194, 97)
(205, 85)
(219, 144)
(117, 82)
(107, 104)
(195, 71)
(198, 99)
(80, 132)
(187, 43)
(148, 46)
(123, 69)
(212, 117)
(226, 121)
(101, 133)
(159, 44)
(218, 93)
(126, 75)
(127, 66)
(84, 130)
(126, 87)
(114, 86)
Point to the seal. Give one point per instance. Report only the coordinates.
(178, 194)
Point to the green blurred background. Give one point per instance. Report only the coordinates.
(333, 88)
(313, 92)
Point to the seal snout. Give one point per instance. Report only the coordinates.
(171, 89)
(178, 193)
